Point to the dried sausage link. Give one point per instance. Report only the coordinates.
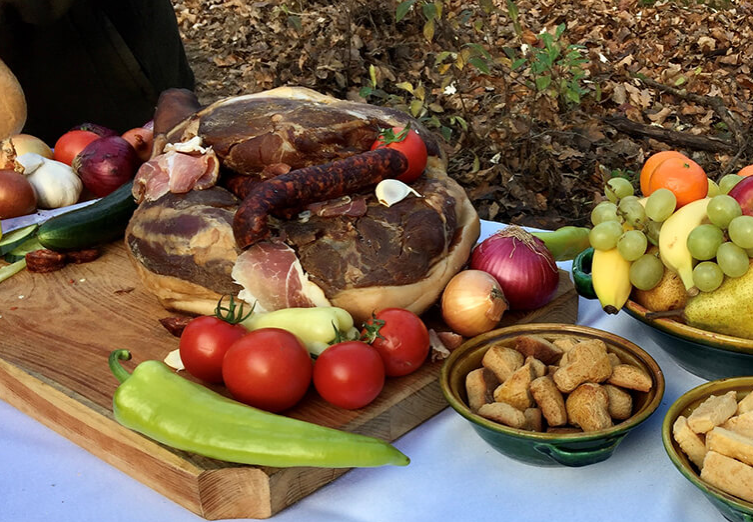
(311, 184)
(44, 260)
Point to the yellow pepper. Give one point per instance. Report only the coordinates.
(316, 327)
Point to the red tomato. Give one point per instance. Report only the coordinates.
(203, 344)
(268, 368)
(71, 143)
(403, 340)
(410, 144)
(349, 374)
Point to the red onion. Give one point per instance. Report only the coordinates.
(99, 130)
(521, 263)
(105, 164)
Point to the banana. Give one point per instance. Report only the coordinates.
(673, 248)
(610, 276)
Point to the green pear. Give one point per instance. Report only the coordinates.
(727, 310)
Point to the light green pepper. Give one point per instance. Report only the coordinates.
(316, 327)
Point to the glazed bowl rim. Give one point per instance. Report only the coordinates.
(681, 331)
(617, 429)
(703, 390)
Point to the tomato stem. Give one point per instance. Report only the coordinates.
(388, 135)
(229, 314)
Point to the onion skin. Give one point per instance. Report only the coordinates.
(105, 164)
(473, 303)
(17, 197)
(24, 143)
(522, 265)
(141, 140)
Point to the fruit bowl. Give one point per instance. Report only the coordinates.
(541, 448)
(706, 354)
(731, 507)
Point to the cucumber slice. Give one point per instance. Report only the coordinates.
(12, 269)
(24, 248)
(13, 239)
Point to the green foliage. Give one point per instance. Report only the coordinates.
(555, 70)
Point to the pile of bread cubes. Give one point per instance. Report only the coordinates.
(718, 438)
(563, 385)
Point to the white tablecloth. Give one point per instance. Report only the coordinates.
(454, 475)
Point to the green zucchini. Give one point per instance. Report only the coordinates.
(99, 223)
(13, 239)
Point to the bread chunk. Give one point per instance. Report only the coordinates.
(712, 412)
(742, 424)
(515, 391)
(503, 361)
(550, 400)
(588, 407)
(503, 413)
(479, 385)
(539, 368)
(745, 405)
(534, 421)
(730, 444)
(629, 376)
(728, 474)
(587, 362)
(614, 359)
(538, 347)
(565, 343)
(620, 402)
(690, 442)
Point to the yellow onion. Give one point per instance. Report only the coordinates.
(23, 143)
(17, 197)
(473, 303)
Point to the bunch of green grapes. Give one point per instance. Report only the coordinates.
(722, 247)
(623, 222)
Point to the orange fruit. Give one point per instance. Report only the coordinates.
(746, 171)
(652, 162)
(683, 176)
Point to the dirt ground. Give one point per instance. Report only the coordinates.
(538, 102)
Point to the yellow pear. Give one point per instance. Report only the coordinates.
(668, 294)
(727, 310)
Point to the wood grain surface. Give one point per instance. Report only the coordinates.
(57, 330)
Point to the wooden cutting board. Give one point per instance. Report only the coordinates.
(59, 328)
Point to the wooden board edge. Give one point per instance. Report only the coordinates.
(144, 460)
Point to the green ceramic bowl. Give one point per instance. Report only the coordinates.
(706, 354)
(549, 449)
(731, 507)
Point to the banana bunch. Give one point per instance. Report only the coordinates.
(611, 271)
(673, 240)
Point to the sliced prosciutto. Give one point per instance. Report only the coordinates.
(272, 277)
(176, 172)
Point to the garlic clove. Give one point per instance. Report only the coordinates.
(195, 144)
(174, 361)
(391, 191)
(30, 161)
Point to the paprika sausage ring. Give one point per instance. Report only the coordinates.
(347, 250)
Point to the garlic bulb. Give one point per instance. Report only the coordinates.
(391, 191)
(54, 182)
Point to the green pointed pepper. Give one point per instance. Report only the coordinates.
(566, 242)
(164, 406)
